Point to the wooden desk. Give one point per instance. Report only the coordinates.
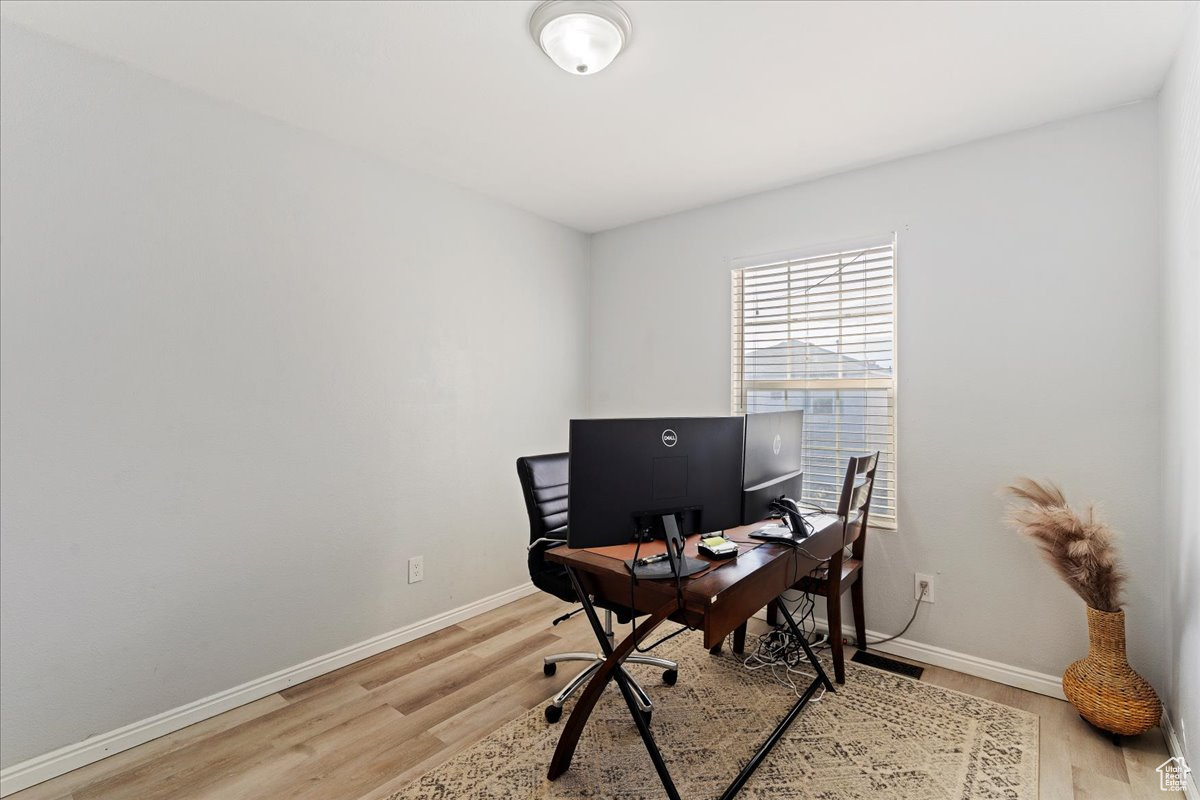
(716, 601)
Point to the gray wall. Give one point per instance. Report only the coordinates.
(232, 405)
(1028, 299)
(1180, 128)
(247, 374)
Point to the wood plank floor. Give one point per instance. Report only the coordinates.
(365, 730)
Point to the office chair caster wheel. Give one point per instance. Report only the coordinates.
(670, 676)
(553, 713)
(549, 669)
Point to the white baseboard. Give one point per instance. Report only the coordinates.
(63, 760)
(1190, 791)
(1007, 674)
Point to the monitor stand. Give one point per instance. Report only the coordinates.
(677, 564)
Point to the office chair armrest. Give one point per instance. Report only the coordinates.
(546, 541)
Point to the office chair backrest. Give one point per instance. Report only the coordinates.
(544, 483)
(857, 489)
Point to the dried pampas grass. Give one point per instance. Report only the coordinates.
(1080, 550)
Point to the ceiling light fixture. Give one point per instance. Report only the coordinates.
(581, 36)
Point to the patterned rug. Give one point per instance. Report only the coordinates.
(881, 736)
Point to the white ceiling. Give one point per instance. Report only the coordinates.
(711, 101)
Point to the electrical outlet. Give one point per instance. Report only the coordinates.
(917, 581)
(416, 569)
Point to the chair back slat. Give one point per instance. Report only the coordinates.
(854, 506)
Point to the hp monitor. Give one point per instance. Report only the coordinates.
(773, 462)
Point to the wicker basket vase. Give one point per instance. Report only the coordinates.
(1104, 688)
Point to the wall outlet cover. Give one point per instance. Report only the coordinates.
(929, 595)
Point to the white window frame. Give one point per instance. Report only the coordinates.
(886, 520)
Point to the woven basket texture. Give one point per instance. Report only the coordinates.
(1104, 688)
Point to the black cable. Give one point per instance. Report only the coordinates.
(809, 615)
(633, 579)
(632, 614)
(806, 612)
(906, 627)
(808, 621)
(796, 545)
(648, 648)
(678, 562)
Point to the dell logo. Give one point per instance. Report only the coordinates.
(669, 438)
(777, 445)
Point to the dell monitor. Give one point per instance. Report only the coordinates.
(632, 479)
(773, 462)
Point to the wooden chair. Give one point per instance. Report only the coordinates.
(839, 573)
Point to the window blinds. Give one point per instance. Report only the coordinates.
(818, 334)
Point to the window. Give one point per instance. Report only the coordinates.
(818, 333)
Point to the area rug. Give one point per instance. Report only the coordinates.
(880, 736)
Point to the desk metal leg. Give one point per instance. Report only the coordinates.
(610, 670)
(785, 723)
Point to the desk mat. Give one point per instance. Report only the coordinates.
(625, 552)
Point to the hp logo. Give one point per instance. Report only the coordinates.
(777, 445)
(669, 438)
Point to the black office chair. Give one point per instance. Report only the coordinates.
(544, 484)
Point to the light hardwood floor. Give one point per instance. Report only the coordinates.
(365, 730)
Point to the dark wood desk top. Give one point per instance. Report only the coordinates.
(719, 599)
